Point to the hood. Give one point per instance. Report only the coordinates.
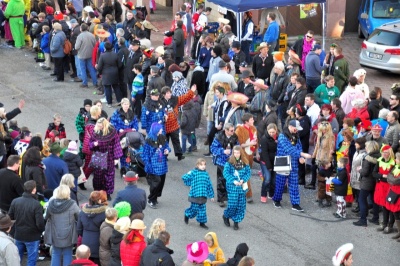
(215, 240)
(69, 155)
(198, 99)
(188, 106)
(60, 205)
(373, 157)
(159, 247)
(198, 68)
(91, 211)
(241, 250)
(116, 237)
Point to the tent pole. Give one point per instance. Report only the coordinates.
(323, 25)
(239, 25)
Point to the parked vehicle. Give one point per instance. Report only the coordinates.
(381, 50)
(374, 13)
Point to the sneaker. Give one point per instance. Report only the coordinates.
(277, 204)
(338, 216)
(109, 105)
(207, 155)
(76, 79)
(194, 149)
(264, 199)
(103, 100)
(296, 207)
(151, 205)
(360, 223)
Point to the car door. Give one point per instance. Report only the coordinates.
(362, 16)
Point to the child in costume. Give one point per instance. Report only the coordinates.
(340, 187)
(200, 188)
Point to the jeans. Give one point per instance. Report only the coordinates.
(210, 125)
(272, 45)
(363, 205)
(78, 67)
(312, 84)
(189, 138)
(58, 253)
(31, 247)
(267, 174)
(108, 92)
(86, 64)
(245, 47)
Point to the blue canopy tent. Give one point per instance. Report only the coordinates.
(240, 6)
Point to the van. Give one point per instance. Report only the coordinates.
(374, 13)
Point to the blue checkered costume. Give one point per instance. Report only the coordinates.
(200, 186)
(152, 112)
(121, 120)
(154, 160)
(236, 195)
(285, 147)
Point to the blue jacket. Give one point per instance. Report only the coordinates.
(55, 169)
(230, 177)
(313, 67)
(204, 57)
(154, 159)
(151, 115)
(45, 43)
(135, 196)
(122, 120)
(57, 44)
(219, 144)
(272, 33)
(199, 183)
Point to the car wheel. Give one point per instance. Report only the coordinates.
(359, 31)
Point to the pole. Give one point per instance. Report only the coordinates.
(323, 25)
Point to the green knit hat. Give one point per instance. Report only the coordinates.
(123, 209)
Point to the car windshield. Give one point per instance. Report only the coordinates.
(386, 9)
(385, 38)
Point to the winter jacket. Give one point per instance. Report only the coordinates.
(188, 119)
(348, 96)
(374, 106)
(340, 183)
(155, 82)
(74, 163)
(197, 102)
(80, 122)
(359, 113)
(392, 135)
(247, 90)
(57, 44)
(45, 43)
(356, 166)
(60, 128)
(9, 255)
(313, 66)
(55, 169)
(154, 159)
(135, 196)
(341, 72)
(108, 66)
(198, 79)
(268, 147)
(257, 105)
(340, 116)
(278, 87)
(157, 254)
(106, 230)
(324, 95)
(28, 213)
(89, 222)
(199, 183)
(124, 120)
(171, 109)
(269, 118)
(115, 240)
(217, 254)
(214, 67)
(298, 97)
(132, 251)
(152, 111)
(11, 187)
(262, 68)
(179, 42)
(367, 181)
(36, 173)
(61, 218)
(85, 43)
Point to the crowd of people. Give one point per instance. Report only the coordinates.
(306, 114)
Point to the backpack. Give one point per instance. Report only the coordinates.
(67, 47)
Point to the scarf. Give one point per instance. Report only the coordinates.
(251, 136)
(307, 46)
(238, 164)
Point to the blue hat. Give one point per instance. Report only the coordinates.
(155, 128)
(316, 47)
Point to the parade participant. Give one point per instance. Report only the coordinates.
(392, 204)
(215, 254)
(343, 256)
(14, 13)
(200, 189)
(237, 174)
(289, 144)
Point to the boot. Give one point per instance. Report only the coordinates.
(82, 186)
(388, 230)
(235, 226)
(381, 227)
(320, 204)
(398, 230)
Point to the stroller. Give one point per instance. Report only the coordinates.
(132, 149)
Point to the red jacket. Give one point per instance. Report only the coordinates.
(131, 252)
(83, 262)
(360, 113)
(172, 123)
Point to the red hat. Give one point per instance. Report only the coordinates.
(377, 127)
(58, 15)
(365, 124)
(148, 52)
(131, 176)
(49, 10)
(385, 147)
(129, 5)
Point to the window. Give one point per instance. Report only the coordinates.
(384, 38)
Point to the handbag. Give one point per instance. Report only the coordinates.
(392, 197)
(40, 57)
(99, 160)
(198, 200)
(82, 178)
(283, 165)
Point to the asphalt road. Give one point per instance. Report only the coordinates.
(275, 236)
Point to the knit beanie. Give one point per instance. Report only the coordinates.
(87, 102)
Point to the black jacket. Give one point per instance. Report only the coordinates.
(262, 69)
(246, 90)
(341, 190)
(200, 81)
(74, 163)
(36, 173)
(188, 119)
(239, 58)
(115, 240)
(340, 116)
(298, 97)
(123, 54)
(108, 67)
(305, 123)
(133, 58)
(74, 35)
(374, 107)
(28, 213)
(155, 82)
(278, 87)
(268, 150)
(367, 181)
(157, 254)
(11, 187)
(179, 42)
(128, 26)
(269, 118)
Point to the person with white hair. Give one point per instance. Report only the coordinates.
(279, 82)
(360, 74)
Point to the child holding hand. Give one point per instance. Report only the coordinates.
(340, 187)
